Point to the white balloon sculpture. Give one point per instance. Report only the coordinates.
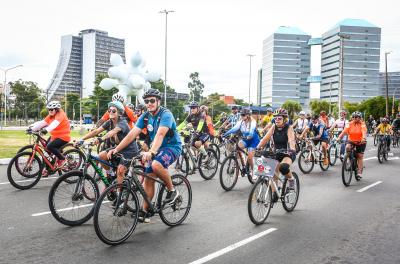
(131, 79)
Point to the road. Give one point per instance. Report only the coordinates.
(331, 224)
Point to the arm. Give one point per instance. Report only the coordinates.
(253, 127)
(306, 129)
(182, 125)
(267, 138)
(233, 129)
(344, 132)
(38, 125)
(93, 133)
(128, 139)
(111, 133)
(291, 138)
(200, 125)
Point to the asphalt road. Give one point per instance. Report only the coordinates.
(331, 224)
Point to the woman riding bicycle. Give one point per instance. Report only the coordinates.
(385, 129)
(357, 134)
(283, 139)
(57, 124)
(248, 128)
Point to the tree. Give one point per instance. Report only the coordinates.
(215, 105)
(175, 106)
(319, 105)
(196, 87)
(351, 107)
(292, 107)
(72, 104)
(240, 102)
(100, 98)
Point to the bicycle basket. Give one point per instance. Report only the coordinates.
(264, 167)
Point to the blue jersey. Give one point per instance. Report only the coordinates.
(315, 128)
(163, 118)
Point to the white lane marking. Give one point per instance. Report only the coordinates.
(66, 209)
(369, 186)
(389, 158)
(370, 158)
(232, 247)
(49, 178)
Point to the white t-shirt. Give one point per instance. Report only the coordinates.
(340, 124)
(302, 123)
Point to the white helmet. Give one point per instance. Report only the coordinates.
(53, 105)
(302, 113)
(118, 97)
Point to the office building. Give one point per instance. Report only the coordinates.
(393, 84)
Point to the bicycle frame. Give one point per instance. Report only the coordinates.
(314, 150)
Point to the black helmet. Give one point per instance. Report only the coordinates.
(194, 104)
(234, 107)
(245, 111)
(152, 93)
(140, 107)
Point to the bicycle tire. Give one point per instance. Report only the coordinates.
(332, 160)
(181, 165)
(33, 178)
(216, 149)
(375, 140)
(321, 162)
(25, 148)
(261, 196)
(132, 218)
(181, 184)
(380, 153)
(284, 195)
(233, 173)
(303, 157)
(347, 170)
(87, 208)
(213, 160)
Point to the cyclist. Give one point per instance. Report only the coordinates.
(232, 119)
(117, 128)
(165, 146)
(143, 136)
(357, 136)
(268, 117)
(197, 120)
(248, 128)
(301, 123)
(209, 123)
(320, 135)
(338, 126)
(370, 122)
(396, 123)
(385, 129)
(57, 124)
(131, 106)
(324, 118)
(128, 113)
(283, 140)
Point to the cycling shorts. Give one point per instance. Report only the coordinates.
(360, 148)
(165, 157)
(203, 137)
(250, 144)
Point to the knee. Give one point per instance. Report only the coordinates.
(197, 144)
(284, 168)
(103, 155)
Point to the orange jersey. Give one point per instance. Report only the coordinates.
(62, 131)
(356, 131)
(210, 125)
(132, 118)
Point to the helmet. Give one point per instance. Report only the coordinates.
(302, 113)
(204, 108)
(281, 112)
(356, 114)
(130, 105)
(315, 117)
(385, 120)
(53, 105)
(152, 93)
(245, 111)
(194, 104)
(118, 105)
(140, 107)
(118, 97)
(269, 109)
(343, 112)
(234, 107)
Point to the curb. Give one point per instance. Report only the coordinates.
(5, 161)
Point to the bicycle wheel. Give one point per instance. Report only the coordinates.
(347, 170)
(332, 154)
(260, 202)
(306, 161)
(385, 152)
(229, 173)
(72, 198)
(26, 148)
(75, 158)
(175, 214)
(290, 196)
(181, 165)
(115, 224)
(208, 165)
(24, 170)
(249, 174)
(216, 149)
(375, 140)
(380, 153)
(321, 162)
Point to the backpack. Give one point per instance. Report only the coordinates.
(170, 134)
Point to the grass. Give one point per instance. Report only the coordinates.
(12, 140)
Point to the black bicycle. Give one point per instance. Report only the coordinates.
(383, 151)
(349, 165)
(114, 222)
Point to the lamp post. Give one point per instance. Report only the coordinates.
(387, 85)
(393, 109)
(341, 59)
(5, 90)
(250, 56)
(165, 53)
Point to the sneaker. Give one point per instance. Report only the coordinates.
(254, 177)
(171, 197)
(274, 197)
(326, 161)
(143, 217)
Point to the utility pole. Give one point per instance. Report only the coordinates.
(5, 90)
(387, 85)
(341, 59)
(330, 96)
(250, 56)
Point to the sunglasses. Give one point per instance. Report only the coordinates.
(152, 101)
(52, 109)
(279, 118)
(112, 111)
(243, 114)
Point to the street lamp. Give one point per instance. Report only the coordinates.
(5, 90)
(341, 59)
(165, 58)
(250, 56)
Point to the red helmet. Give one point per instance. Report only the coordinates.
(281, 112)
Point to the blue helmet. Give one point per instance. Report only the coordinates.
(118, 105)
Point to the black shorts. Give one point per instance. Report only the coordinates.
(281, 156)
(360, 148)
(316, 141)
(203, 137)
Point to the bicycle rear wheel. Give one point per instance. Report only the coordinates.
(332, 154)
(208, 165)
(323, 166)
(176, 213)
(347, 170)
(229, 173)
(72, 198)
(380, 153)
(24, 170)
(306, 161)
(216, 149)
(290, 196)
(259, 202)
(115, 221)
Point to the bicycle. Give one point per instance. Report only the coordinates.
(191, 160)
(260, 199)
(383, 151)
(334, 150)
(349, 165)
(43, 142)
(395, 138)
(307, 157)
(28, 166)
(123, 216)
(236, 162)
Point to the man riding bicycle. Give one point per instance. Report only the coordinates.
(357, 137)
(165, 146)
(338, 126)
(232, 119)
(385, 129)
(301, 123)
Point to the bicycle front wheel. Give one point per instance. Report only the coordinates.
(347, 170)
(290, 195)
(115, 220)
(174, 214)
(381, 153)
(332, 154)
(259, 202)
(323, 166)
(229, 173)
(208, 165)
(72, 198)
(306, 161)
(24, 170)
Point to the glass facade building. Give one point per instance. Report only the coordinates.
(393, 84)
(81, 59)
